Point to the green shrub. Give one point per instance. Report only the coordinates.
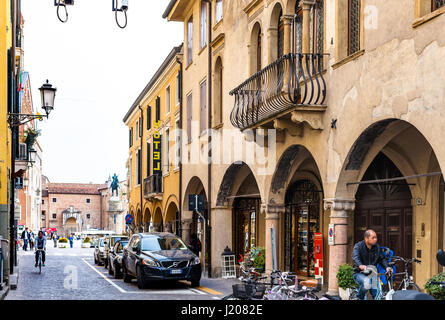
(63, 240)
(86, 240)
(434, 290)
(345, 276)
(259, 258)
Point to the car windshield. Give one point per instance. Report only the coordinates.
(121, 245)
(162, 243)
(116, 239)
(101, 243)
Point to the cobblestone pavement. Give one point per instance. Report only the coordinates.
(70, 274)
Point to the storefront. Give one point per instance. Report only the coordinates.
(246, 224)
(301, 222)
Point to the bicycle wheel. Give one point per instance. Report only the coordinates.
(353, 294)
(413, 286)
(230, 297)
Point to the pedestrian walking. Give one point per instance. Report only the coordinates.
(31, 239)
(195, 244)
(25, 238)
(55, 240)
(71, 239)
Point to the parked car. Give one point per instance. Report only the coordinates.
(115, 258)
(109, 242)
(159, 256)
(99, 251)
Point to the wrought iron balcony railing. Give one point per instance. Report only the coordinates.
(153, 186)
(296, 79)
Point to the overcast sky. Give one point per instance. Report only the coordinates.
(98, 70)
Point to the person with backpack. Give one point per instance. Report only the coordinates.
(195, 244)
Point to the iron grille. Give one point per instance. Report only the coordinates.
(171, 264)
(354, 26)
(438, 4)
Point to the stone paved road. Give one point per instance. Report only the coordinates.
(70, 274)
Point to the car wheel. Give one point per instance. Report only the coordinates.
(195, 283)
(125, 275)
(117, 273)
(140, 277)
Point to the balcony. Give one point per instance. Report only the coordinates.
(153, 187)
(291, 88)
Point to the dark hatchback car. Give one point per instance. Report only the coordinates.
(115, 258)
(159, 256)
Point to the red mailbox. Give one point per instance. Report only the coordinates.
(318, 255)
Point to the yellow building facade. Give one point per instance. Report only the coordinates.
(5, 132)
(153, 165)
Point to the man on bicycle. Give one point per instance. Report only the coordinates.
(40, 245)
(367, 252)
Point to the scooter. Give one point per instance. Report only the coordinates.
(415, 295)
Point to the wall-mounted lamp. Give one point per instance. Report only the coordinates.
(63, 3)
(122, 8)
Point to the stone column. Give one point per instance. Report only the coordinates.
(287, 22)
(272, 219)
(339, 211)
(186, 226)
(221, 223)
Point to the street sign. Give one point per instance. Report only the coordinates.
(129, 218)
(196, 202)
(331, 235)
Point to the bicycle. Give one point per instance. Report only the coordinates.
(374, 283)
(39, 259)
(250, 289)
(407, 281)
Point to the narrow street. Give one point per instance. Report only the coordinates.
(70, 274)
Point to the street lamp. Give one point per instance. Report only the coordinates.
(32, 155)
(48, 93)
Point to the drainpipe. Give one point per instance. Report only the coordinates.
(180, 159)
(141, 133)
(209, 168)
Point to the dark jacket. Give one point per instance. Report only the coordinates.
(364, 256)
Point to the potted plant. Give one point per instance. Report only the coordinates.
(63, 242)
(345, 281)
(86, 243)
(258, 255)
(434, 290)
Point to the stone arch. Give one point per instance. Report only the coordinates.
(412, 154)
(158, 220)
(194, 186)
(295, 158)
(146, 219)
(171, 216)
(231, 182)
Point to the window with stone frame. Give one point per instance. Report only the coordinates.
(190, 41)
(353, 26)
(218, 10)
(203, 25)
(54, 216)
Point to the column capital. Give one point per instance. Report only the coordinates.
(339, 207)
(287, 18)
(273, 210)
(306, 4)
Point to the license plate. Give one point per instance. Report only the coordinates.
(175, 271)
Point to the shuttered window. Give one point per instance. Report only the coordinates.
(190, 41)
(158, 109)
(203, 107)
(203, 23)
(148, 158)
(149, 118)
(189, 117)
(354, 26)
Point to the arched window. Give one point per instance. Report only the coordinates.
(258, 52)
(218, 94)
(280, 40)
(298, 29)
